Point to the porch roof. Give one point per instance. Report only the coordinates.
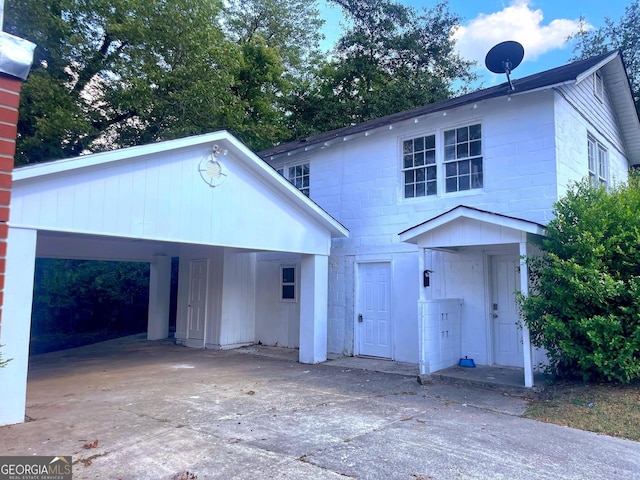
(468, 226)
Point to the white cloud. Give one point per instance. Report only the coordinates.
(518, 21)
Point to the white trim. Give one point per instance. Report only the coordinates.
(294, 283)
(411, 235)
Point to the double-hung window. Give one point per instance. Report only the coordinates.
(288, 283)
(463, 158)
(419, 166)
(453, 163)
(598, 162)
(298, 175)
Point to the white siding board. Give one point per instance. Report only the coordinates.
(164, 198)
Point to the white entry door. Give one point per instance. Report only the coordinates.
(197, 306)
(373, 323)
(507, 336)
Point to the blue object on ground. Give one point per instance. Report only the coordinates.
(467, 362)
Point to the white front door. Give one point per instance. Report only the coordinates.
(507, 336)
(197, 306)
(373, 323)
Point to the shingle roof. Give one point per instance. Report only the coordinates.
(546, 79)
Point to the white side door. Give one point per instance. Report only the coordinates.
(507, 335)
(373, 323)
(197, 306)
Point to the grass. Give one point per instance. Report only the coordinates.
(609, 409)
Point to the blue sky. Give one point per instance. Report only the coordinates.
(541, 26)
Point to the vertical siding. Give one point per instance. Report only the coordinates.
(277, 322)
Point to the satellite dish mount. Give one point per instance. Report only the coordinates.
(504, 58)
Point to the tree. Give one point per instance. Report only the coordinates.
(116, 73)
(110, 73)
(391, 59)
(279, 42)
(584, 305)
(624, 35)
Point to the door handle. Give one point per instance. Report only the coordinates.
(495, 315)
(359, 318)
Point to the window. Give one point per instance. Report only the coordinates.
(463, 158)
(598, 162)
(419, 166)
(598, 86)
(298, 175)
(288, 284)
(458, 159)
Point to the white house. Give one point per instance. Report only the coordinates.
(402, 240)
(444, 200)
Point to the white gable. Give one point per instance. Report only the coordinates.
(156, 192)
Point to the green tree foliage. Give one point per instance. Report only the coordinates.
(623, 35)
(278, 41)
(75, 296)
(390, 59)
(584, 307)
(115, 73)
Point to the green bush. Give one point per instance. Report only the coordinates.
(584, 302)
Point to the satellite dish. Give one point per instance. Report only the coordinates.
(504, 58)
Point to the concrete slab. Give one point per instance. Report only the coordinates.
(158, 410)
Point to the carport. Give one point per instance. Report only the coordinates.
(205, 199)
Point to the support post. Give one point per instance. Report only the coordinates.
(16, 323)
(526, 336)
(159, 297)
(314, 295)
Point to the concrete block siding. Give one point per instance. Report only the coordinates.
(533, 147)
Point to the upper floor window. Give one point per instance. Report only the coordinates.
(463, 158)
(298, 175)
(419, 166)
(598, 162)
(598, 86)
(458, 159)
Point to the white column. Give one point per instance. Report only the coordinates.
(526, 336)
(314, 295)
(15, 330)
(159, 297)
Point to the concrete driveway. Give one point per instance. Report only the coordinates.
(158, 410)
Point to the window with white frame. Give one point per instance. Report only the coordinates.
(288, 283)
(419, 166)
(598, 162)
(298, 175)
(455, 163)
(463, 158)
(598, 86)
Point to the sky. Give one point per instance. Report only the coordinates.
(541, 26)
